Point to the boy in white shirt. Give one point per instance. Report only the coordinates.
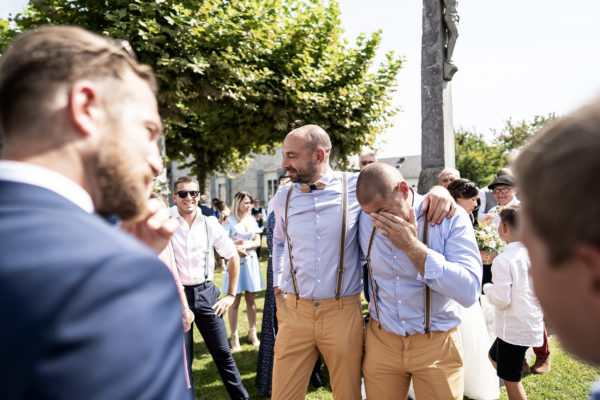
(519, 318)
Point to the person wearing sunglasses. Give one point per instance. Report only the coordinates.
(87, 310)
(194, 243)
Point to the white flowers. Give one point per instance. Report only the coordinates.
(488, 239)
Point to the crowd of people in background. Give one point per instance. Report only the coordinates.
(101, 283)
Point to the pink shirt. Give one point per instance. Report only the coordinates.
(190, 247)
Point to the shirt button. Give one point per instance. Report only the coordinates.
(318, 237)
(403, 322)
(317, 215)
(399, 301)
(318, 281)
(397, 278)
(318, 258)
(395, 257)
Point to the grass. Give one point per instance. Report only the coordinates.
(569, 378)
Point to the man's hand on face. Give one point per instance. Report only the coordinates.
(400, 232)
(223, 305)
(438, 204)
(155, 229)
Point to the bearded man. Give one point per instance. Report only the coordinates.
(88, 311)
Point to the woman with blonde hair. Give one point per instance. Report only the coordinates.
(244, 231)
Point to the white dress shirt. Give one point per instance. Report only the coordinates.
(314, 229)
(519, 318)
(191, 250)
(15, 171)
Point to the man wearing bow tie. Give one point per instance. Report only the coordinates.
(317, 268)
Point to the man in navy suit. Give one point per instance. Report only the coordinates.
(87, 311)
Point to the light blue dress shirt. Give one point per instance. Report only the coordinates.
(314, 227)
(453, 271)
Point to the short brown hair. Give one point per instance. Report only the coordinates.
(185, 179)
(510, 215)
(40, 62)
(557, 176)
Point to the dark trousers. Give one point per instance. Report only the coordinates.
(201, 298)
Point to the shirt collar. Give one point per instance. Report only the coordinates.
(327, 177)
(174, 212)
(31, 174)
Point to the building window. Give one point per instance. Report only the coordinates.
(271, 188)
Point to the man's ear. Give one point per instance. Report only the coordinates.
(403, 187)
(589, 256)
(84, 108)
(320, 155)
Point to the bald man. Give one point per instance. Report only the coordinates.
(317, 269)
(407, 336)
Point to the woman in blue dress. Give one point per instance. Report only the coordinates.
(245, 233)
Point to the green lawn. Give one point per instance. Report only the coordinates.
(569, 379)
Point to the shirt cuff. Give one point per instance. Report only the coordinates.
(277, 278)
(434, 266)
(487, 287)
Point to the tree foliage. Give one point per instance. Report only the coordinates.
(478, 160)
(237, 75)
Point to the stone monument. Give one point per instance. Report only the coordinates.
(437, 131)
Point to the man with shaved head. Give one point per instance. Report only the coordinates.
(416, 286)
(317, 269)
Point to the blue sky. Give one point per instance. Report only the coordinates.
(516, 59)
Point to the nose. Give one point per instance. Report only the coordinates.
(155, 160)
(285, 164)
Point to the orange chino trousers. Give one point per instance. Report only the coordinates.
(433, 361)
(331, 327)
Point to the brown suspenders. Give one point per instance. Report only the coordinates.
(427, 305)
(340, 270)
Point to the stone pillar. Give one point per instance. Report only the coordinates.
(437, 131)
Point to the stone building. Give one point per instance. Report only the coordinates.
(260, 176)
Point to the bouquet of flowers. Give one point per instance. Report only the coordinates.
(487, 239)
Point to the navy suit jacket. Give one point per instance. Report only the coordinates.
(87, 312)
(207, 211)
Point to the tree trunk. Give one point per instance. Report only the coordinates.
(202, 170)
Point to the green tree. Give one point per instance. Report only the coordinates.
(478, 160)
(237, 75)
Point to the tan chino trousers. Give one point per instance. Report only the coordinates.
(433, 361)
(331, 327)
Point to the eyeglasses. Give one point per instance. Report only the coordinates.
(502, 190)
(184, 193)
(365, 163)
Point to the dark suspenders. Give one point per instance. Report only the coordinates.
(427, 305)
(342, 251)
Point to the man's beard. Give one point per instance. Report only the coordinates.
(302, 175)
(123, 186)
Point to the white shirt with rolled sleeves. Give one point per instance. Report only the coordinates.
(189, 247)
(519, 317)
(453, 271)
(314, 229)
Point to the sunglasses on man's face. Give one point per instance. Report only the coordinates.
(184, 193)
